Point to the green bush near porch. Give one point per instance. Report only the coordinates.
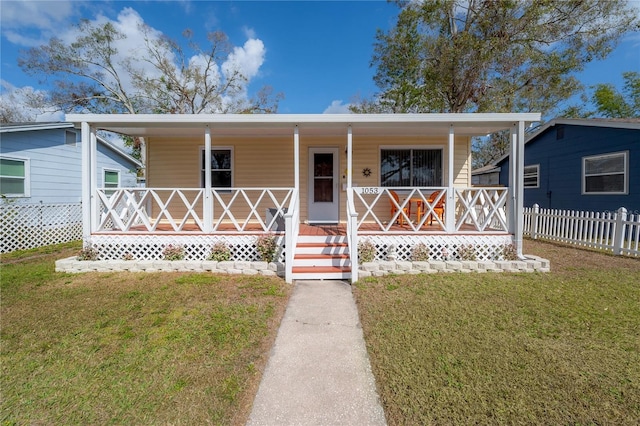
(554, 348)
(126, 348)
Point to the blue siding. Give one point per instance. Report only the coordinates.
(560, 163)
(55, 168)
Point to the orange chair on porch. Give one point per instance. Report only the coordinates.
(394, 208)
(438, 208)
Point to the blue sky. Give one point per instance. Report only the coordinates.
(316, 52)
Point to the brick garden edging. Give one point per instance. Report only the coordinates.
(72, 265)
(381, 268)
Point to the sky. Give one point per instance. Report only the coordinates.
(317, 53)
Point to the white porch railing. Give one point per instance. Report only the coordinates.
(476, 209)
(617, 231)
(183, 209)
(352, 236)
(292, 229)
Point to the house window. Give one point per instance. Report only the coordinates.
(111, 181)
(70, 138)
(532, 176)
(221, 167)
(410, 167)
(14, 177)
(605, 174)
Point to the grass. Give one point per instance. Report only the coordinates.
(125, 348)
(555, 348)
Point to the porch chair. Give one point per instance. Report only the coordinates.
(438, 209)
(394, 208)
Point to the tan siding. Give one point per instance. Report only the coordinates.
(268, 162)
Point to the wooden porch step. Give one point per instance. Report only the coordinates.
(321, 272)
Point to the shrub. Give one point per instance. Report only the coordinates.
(88, 253)
(510, 252)
(220, 252)
(366, 251)
(128, 256)
(172, 252)
(467, 252)
(267, 246)
(420, 252)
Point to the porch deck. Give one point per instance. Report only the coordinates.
(305, 229)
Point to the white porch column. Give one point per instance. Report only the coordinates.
(513, 182)
(450, 211)
(519, 199)
(296, 160)
(349, 157)
(95, 214)
(86, 184)
(208, 200)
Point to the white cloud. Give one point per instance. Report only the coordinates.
(337, 107)
(42, 14)
(247, 59)
(25, 104)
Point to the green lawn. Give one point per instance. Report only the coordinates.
(555, 348)
(124, 348)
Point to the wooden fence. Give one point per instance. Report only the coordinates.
(616, 231)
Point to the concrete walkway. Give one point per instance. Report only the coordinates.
(318, 371)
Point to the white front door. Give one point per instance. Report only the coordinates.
(324, 193)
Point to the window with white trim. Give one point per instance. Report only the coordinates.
(221, 167)
(605, 174)
(410, 167)
(532, 176)
(14, 177)
(111, 180)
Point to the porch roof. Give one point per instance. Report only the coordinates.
(147, 125)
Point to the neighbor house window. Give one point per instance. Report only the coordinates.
(111, 181)
(70, 138)
(605, 174)
(410, 167)
(532, 176)
(221, 168)
(14, 177)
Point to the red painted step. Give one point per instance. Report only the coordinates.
(320, 269)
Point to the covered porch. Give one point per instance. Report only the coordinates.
(240, 176)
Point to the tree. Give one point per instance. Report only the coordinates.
(94, 73)
(613, 104)
(608, 101)
(492, 55)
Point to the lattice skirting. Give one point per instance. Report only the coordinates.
(27, 226)
(196, 247)
(442, 247)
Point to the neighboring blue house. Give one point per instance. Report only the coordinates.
(41, 162)
(581, 164)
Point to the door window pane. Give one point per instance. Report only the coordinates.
(323, 177)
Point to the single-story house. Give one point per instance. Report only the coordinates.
(321, 183)
(582, 164)
(41, 163)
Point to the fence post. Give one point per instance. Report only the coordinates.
(618, 236)
(534, 221)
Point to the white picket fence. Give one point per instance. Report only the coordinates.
(27, 226)
(617, 231)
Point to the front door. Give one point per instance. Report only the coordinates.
(323, 185)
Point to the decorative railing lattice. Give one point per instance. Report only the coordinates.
(184, 210)
(27, 226)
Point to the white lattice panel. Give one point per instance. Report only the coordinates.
(441, 247)
(196, 247)
(26, 226)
